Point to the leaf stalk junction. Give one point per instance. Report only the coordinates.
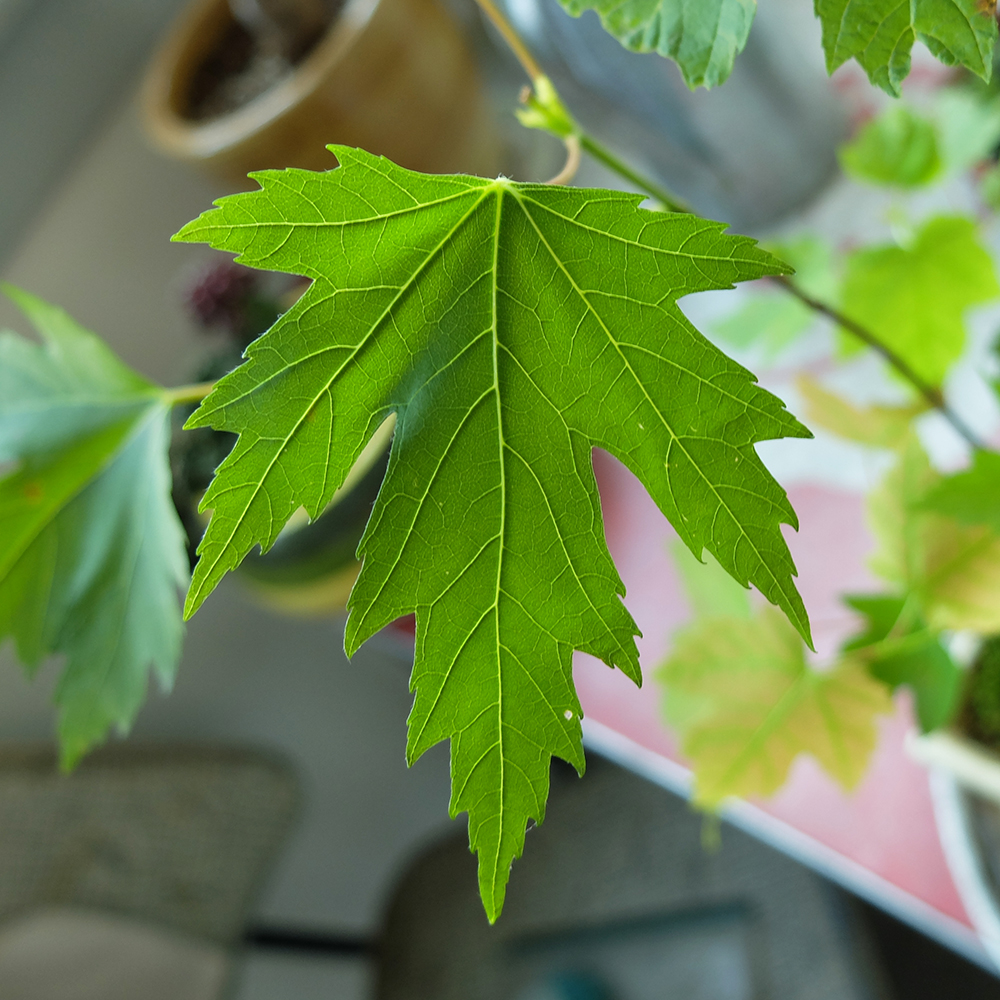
(187, 393)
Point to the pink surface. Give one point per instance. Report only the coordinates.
(887, 823)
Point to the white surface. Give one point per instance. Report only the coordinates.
(964, 860)
(970, 762)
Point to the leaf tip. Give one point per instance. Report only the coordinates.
(493, 894)
(195, 596)
(346, 154)
(188, 233)
(804, 628)
(198, 418)
(71, 752)
(23, 299)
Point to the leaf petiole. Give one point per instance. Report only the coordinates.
(669, 201)
(187, 393)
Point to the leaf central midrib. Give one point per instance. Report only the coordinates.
(502, 531)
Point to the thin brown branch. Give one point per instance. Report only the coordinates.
(932, 394)
(513, 40)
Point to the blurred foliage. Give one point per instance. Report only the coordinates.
(914, 299)
(898, 147)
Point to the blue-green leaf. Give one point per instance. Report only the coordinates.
(91, 553)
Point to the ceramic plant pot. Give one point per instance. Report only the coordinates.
(394, 77)
(965, 789)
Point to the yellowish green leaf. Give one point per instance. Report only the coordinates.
(713, 593)
(898, 148)
(877, 426)
(971, 497)
(952, 568)
(745, 705)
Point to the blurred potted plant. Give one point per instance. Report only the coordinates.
(243, 85)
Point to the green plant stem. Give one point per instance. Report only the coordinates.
(601, 153)
(604, 155)
(933, 395)
(187, 393)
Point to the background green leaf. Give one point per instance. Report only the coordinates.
(702, 36)
(746, 705)
(92, 554)
(770, 318)
(971, 497)
(713, 593)
(898, 147)
(881, 33)
(877, 426)
(914, 299)
(900, 649)
(968, 125)
(512, 328)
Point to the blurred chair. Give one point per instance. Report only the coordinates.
(133, 877)
(617, 898)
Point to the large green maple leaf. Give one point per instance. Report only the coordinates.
(92, 553)
(512, 328)
(703, 37)
(880, 34)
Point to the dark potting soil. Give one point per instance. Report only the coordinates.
(979, 716)
(242, 66)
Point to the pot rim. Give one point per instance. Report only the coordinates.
(964, 858)
(202, 139)
(973, 765)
